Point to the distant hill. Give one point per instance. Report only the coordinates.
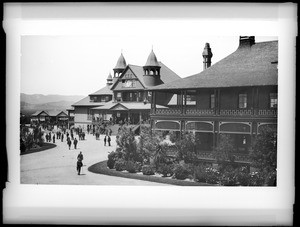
(33, 103)
(41, 99)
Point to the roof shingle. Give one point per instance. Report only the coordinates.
(247, 66)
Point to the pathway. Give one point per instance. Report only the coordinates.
(58, 165)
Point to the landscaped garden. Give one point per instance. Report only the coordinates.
(32, 140)
(174, 157)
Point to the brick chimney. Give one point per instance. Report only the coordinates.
(207, 55)
(247, 41)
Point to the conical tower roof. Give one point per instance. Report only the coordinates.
(109, 77)
(152, 60)
(121, 64)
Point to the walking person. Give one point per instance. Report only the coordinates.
(62, 137)
(105, 141)
(69, 143)
(75, 143)
(79, 162)
(108, 140)
(53, 138)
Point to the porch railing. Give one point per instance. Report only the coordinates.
(212, 112)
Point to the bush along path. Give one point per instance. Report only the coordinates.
(101, 168)
(148, 157)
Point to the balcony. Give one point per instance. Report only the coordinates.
(211, 112)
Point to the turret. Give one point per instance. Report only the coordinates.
(152, 71)
(120, 66)
(109, 80)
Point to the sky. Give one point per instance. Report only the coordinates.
(74, 57)
(79, 65)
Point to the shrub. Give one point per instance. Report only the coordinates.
(111, 160)
(165, 170)
(256, 179)
(187, 148)
(200, 173)
(138, 167)
(228, 177)
(113, 157)
(127, 143)
(148, 170)
(131, 167)
(212, 175)
(148, 143)
(264, 156)
(224, 149)
(120, 165)
(242, 176)
(271, 178)
(181, 172)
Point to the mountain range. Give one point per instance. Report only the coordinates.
(35, 102)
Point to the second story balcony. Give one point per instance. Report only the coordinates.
(193, 111)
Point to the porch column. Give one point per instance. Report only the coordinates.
(181, 101)
(218, 101)
(140, 117)
(253, 101)
(184, 104)
(153, 103)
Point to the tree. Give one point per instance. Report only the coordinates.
(264, 154)
(225, 149)
(127, 143)
(149, 142)
(186, 147)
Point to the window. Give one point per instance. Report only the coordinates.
(119, 96)
(242, 100)
(212, 101)
(273, 100)
(104, 98)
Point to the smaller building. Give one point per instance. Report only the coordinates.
(53, 117)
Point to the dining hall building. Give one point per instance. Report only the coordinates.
(236, 96)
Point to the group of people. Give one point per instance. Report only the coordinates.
(107, 139)
(69, 142)
(49, 137)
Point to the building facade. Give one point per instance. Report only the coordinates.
(125, 99)
(236, 96)
(53, 117)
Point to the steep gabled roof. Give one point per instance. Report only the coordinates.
(166, 74)
(38, 113)
(247, 66)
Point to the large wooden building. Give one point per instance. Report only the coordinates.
(235, 96)
(125, 97)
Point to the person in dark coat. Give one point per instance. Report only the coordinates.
(62, 137)
(69, 143)
(108, 140)
(53, 138)
(79, 162)
(105, 141)
(75, 143)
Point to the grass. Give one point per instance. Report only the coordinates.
(101, 168)
(45, 146)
